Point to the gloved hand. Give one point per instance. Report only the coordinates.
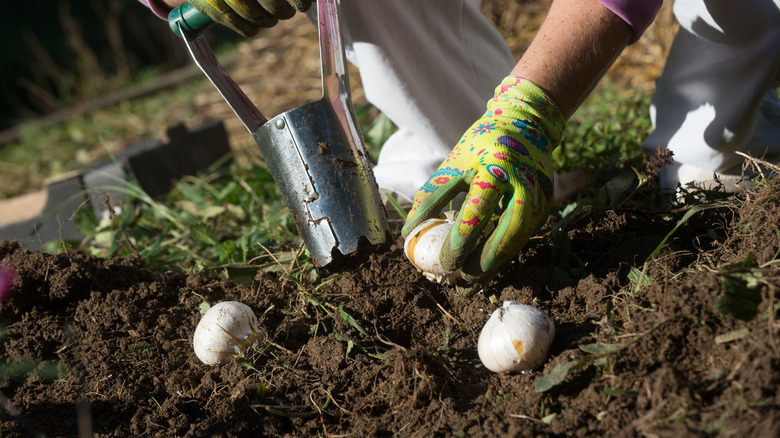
(503, 161)
(245, 17)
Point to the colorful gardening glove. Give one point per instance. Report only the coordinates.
(504, 163)
(245, 17)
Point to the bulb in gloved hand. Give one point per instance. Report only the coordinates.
(517, 337)
(224, 332)
(423, 246)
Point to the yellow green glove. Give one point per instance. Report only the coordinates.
(245, 17)
(504, 163)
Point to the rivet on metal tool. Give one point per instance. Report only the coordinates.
(279, 124)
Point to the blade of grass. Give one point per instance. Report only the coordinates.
(688, 214)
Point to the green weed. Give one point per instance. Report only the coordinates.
(222, 220)
(606, 131)
(134, 351)
(640, 278)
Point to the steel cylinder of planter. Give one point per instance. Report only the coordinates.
(315, 152)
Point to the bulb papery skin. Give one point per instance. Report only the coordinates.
(517, 337)
(224, 331)
(423, 246)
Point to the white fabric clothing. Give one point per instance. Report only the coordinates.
(430, 66)
(715, 96)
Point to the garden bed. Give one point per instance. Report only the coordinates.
(376, 350)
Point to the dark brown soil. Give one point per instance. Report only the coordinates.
(118, 338)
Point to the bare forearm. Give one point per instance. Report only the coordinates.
(575, 46)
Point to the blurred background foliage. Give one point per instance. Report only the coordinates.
(57, 53)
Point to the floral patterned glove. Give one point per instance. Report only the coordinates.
(245, 17)
(504, 162)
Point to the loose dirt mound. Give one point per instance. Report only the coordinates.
(378, 351)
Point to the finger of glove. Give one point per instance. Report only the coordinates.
(474, 215)
(511, 235)
(279, 9)
(300, 5)
(472, 271)
(432, 198)
(250, 10)
(222, 13)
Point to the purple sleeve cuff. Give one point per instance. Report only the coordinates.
(159, 10)
(638, 14)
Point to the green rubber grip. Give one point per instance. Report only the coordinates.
(190, 19)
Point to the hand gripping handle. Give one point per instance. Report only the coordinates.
(190, 19)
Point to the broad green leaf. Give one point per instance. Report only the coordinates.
(738, 300)
(225, 250)
(599, 348)
(618, 189)
(740, 289)
(188, 207)
(638, 278)
(247, 363)
(191, 194)
(748, 262)
(202, 234)
(380, 130)
(559, 373)
(240, 273)
(350, 343)
(212, 211)
(236, 211)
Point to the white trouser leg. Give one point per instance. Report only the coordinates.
(715, 96)
(430, 66)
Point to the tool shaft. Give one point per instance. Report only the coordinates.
(238, 101)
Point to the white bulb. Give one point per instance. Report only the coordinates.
(517, 337)
(224, 332)
(423, 246)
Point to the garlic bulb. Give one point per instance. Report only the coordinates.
(224, 332)
(423, 245)
(517, 337)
